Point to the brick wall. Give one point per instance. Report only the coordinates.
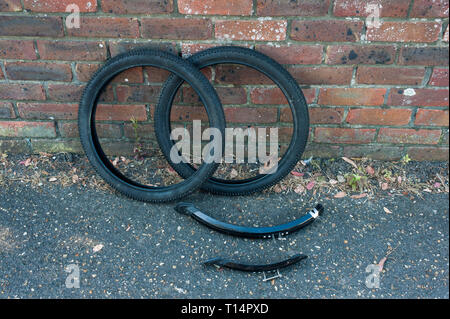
(373, 91)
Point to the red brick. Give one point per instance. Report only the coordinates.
(432, 117)
(293, 54)
(319, 30)
(439, 77)
(27, 129)
(355, 54)
(189, 49)
(133, 75)
(317, 115)
(394, 117)
(446, 34)
(59, 5)
(382, 76)
(343, 135)
(70, 130)
(10, 5)
(137, 6)
(188, 113)
(38, 71)
(156, 75)
(118, 47)
(9, 91)
(227, 95)
(17, 49)
(176, 28)
(72, 50)
(430, 9)
(65, 92)
(359, 8)
(418, 97)
(85, 71)
(30, 26)
(254, 30)
(322, 75)
(7, 110)
(428, 56)
(144, 131)
(109, 112)
(408, 136)
(140, 93)
(239, 75)
(428, 153)
(47, 111)
(216, 7)
(390, 31)
(251, 115)
(268, 96)
(106, 27)
(352, 96)
(304, 8)
(1, 75)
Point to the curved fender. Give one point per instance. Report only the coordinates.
(249, 232)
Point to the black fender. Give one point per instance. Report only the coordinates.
(249, 232)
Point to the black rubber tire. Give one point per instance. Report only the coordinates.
(91, 143)
(271, 69)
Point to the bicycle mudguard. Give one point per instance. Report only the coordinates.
(222, 262)
(249, 232)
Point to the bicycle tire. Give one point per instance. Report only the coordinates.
(274, 71)
(90, 140)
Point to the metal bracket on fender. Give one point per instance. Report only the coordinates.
(222, 262)
(250, 232)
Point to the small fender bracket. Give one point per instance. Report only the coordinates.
(222, 262)
(250, 232)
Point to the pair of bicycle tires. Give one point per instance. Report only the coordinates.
(189, 71)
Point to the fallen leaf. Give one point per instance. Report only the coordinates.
(399, 179)
(26, 163)
(370, 170)
(427, 190)
(233, 173)
(299, 189)
(386, 210)
(359, 196)
(310, 185)
(384, 186)
(350, 162)
(340, 195)
(277, 189)
(52, 179)
(381, 263)
(297, 174)
(437, 185)
(74, 179)
(333, 181)
(97, 248)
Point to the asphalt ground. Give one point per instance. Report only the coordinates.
(129, 249)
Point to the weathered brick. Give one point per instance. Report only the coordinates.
(176, 28)
(319, 30)
(322, 75)
(293, 54)
(156, 75)
(382, 76)
(2, 76)
(360, 8)
(445, 37)
(408, 136)
(70, 130)
(424, 56)
(254, 30)
(118, 47)
(432, 117)
(30, 26)
(376, 152)
(216, 7)
(65, 92)
(27, 129)
(48, 111)
(418, 97)
(352, 96)
(72, 50)
(14, 147)
(251, 115)
(7, 110)
(188, 113)
(428, 153)
(21, 91)
(321, 151)
(355, 54)
(137, 6)
(10, 5)
(144, 131)
(38, 71)
(439, 77)
(227, 95)
(110, 112)
(430, 9)
(317, 115)
(343, 135)
(59, 5)
(106, 27)
(141, 93)
(268, 96)
(239, 75)
(393, 31)
(394, 117)
(17, 49)
(305, 8)
(56, 146)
